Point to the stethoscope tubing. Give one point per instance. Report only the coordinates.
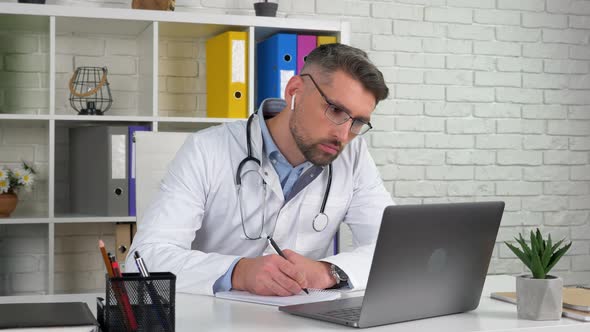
(251, 158)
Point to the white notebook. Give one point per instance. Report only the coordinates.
(315, 295)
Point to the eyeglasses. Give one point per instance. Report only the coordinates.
(339, 116)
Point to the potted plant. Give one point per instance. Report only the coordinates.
(266, 8)
(539, 296)
(11, 180)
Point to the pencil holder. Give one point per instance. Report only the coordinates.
(135, 303)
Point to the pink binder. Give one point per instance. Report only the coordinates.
(305, 44)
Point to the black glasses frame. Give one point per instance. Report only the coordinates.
(330, 104)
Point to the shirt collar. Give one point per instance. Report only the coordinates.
(268, 109)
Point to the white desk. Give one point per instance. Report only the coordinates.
(204, 313)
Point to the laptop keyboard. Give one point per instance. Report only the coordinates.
(350, 314)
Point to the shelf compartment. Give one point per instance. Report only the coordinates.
(25, 252)
(182, 81)
(79, 267)
(63, 207)
(124, 47)
(24, 64)
(28, 141)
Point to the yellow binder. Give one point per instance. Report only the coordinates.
(227, 75)
(326, 40)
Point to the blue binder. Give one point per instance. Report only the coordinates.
(276, 61)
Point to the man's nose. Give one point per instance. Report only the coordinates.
(342, 132)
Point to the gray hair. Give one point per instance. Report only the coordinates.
(329, 58)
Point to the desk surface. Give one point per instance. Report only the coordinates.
(212, 314)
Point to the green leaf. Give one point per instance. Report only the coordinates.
(523, 257)
(547, 253)
(539, 243)
(524, 246)
(557, 256)
(537, 269)
(534, 245)
(555, 246)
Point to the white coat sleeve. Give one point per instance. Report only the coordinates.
(167, 230)
(364, 218)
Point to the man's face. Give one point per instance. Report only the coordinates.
(319, 138)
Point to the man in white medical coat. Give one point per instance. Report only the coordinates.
(211, 232)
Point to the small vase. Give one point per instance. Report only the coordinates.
(539, 299)
(266, 8)
(7, 204)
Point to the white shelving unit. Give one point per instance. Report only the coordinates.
(138, 45)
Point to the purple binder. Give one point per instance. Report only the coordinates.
(131, 165)
(305, 44)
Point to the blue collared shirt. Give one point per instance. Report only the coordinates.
(288, 175)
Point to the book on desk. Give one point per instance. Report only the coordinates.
(576, 302)
(63, 316)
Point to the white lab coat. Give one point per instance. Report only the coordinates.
(193, 227)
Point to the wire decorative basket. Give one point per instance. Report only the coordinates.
(90, 93)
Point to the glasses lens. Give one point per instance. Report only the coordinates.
(359, 128)
(336, 115)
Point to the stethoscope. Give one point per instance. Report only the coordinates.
(320, 221)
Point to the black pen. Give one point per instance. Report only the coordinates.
(280, 252)
(156, 304)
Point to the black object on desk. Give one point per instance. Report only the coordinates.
(110, 315)
(37, 315)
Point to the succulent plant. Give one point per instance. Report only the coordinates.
(541, 256)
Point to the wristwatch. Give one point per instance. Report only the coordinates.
(340, 276)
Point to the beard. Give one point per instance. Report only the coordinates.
(311, 149)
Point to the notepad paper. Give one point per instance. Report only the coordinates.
(315, 295)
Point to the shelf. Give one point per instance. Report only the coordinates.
(22, 221)
(64, 220)
(102, 118)
(71, 219)
(176, 16)
(157, 69)
(115, 118)
(25, 117)
(196, 120)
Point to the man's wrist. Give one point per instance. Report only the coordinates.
(236, 282)
(330, 281)
(339, 276)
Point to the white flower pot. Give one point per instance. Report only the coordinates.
(539, 299)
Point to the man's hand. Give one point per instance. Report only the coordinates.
(317, 273)
(269, 275)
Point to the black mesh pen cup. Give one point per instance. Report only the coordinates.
(134, 303)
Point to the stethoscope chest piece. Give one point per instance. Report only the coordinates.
(320, 222)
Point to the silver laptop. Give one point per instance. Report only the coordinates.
(430, 260)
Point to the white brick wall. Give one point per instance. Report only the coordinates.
(490, 100)
(516, 112)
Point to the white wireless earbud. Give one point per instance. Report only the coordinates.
(293, 103)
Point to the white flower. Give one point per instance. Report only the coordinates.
(26, 178)
(3, 174)
(18, 172)
(4, 186)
